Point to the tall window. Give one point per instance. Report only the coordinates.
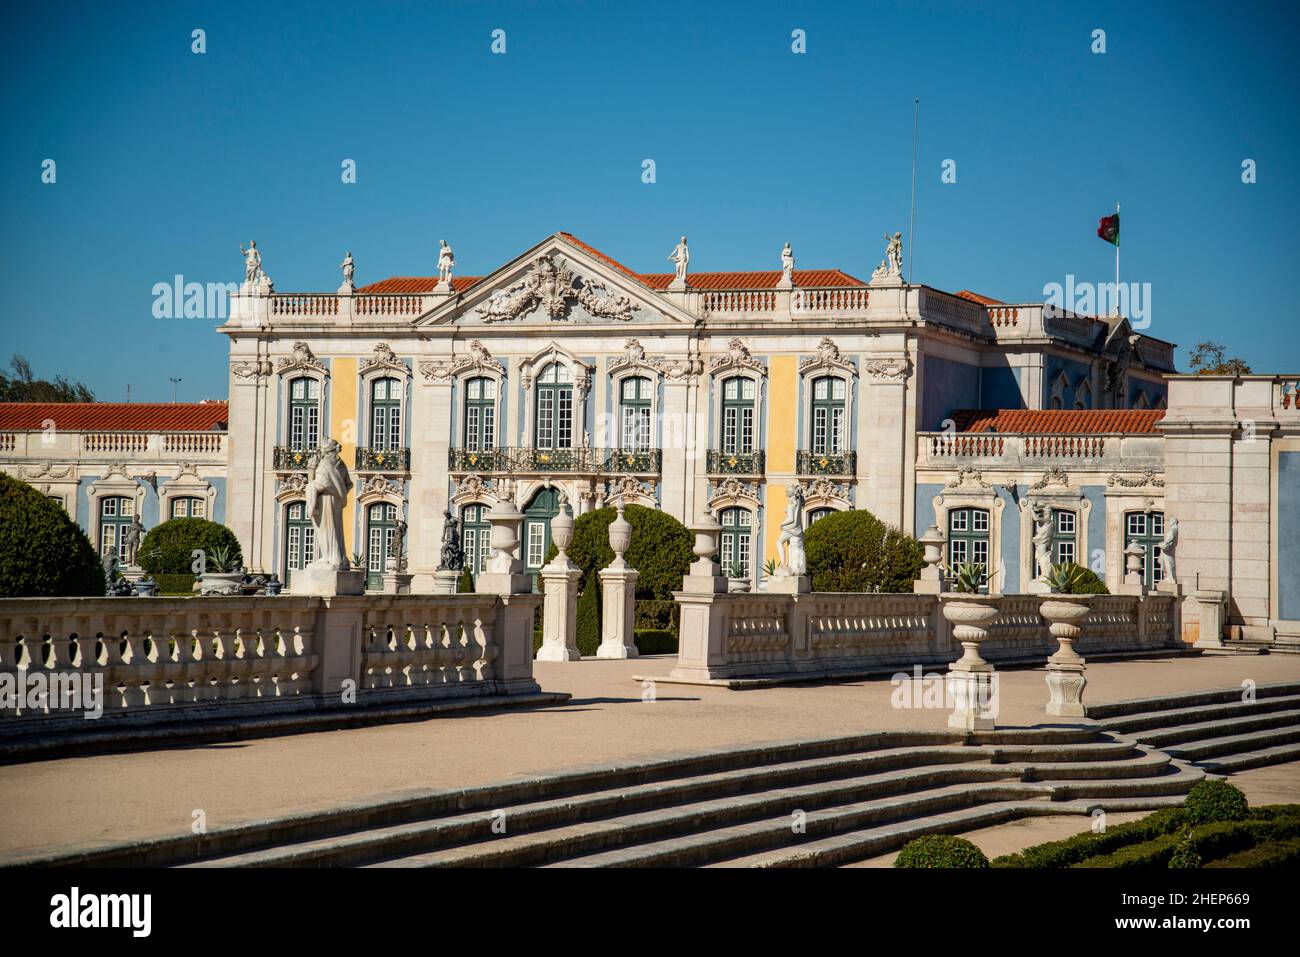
(381, 522)
(1065, 547)
(537, 527)
(116, 513)
(386, 414)
(817, 514)
(968, 537)
(634, 414)
(738, 415)
(828, 415)
(480, 414)
(299, 540)
(737, 534)
(304, 413)
(189, 507)
(1148, 530)
(476, 537)
(554, 408)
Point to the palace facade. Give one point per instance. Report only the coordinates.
(565, 376)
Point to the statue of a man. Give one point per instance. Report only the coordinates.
(132, 536)
(894, 252)
(348, 267)
(446, 261)
(787, 264)
(680, 257)
(1168, 572)
(1042, 541)
(396, 557)
(789, 544)
(326, 495)
(252, 261)
(453, 557)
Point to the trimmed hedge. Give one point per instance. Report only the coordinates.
(1210, 801)
(175, 584)
(43, 553)
(588, 630)
(1072, 850)
(940, 850)
(1089, 582)
(168, 548)
(465, 583)
(1154, 853)
(1282, 854)
(855, 551)
(652, 641)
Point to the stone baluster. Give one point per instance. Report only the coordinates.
(618, 588)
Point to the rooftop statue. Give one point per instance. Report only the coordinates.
(681, 255)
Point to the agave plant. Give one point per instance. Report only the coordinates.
(219, 558)
(737, 570)
(769, 567)
(968, 577)
(1065, 578)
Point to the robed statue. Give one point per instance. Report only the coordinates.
(326, 495)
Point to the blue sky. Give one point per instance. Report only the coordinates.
(167, 160)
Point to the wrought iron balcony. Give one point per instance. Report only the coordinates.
(634, 461)
(383, 460)
(291, 459)
(718, 462)
(825, 463)
(528, 460)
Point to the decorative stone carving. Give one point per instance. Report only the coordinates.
(292, 486)
(736, 357)
(680, 257)
(1147, 478)
(326, 496)
(47, 470)
(349, 270)
(252, 262)
(1168, 570)
(446, 262)
(732, 491)
(472, 488)
(787, 265)
(383, 357)
(628, 488)
(682, 368)
(302, 360)
(826, 492)
(896, 368)
(435, 370)
(789, 544)
(453, 555)
(378, 487)
(251, 369)
(828, 358)
(968, 478)
(1042, 541)
(396, 554)
(552, 285)
(971, 680)
(1065, 679)
(892, 265)
(1053, 476)
(634, 357)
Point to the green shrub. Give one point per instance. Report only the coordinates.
(168, 548)
(588, 631)
(465, 584)
(1156, 852)
(43, 553)
(175, 584)
(1090, 583)
(654, 641)
(1185, 854)
(1210, 801)
(1281, 854)
(855, 551)
(939, 850)
(1081, 581)
(661, 549)
(1072, 850)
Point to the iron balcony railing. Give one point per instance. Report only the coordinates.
(383, 460)
(587, 461)
(825, 463)
(718, 462)
(291, 458)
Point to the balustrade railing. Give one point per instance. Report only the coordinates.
(825, 463)
(383, 460)
(991, 445)
(294, 459)
(719, 462)
(530, 460)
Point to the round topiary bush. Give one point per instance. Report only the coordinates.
(660, 552)
(1211, 801)
(1089, 582)
(855, 551)
(43, 553)
(168, 549)
(940, 850)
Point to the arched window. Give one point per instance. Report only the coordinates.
(968, 537)
(299, 540)
(304, 413)
(116, 513)
(386, 415)
(537, 528)
(634, 414)
(828, 426)
(737, 535)
(1083, 395)
(738, 414)
(554, 429)
(817, 514)
(381, 522)
(480, 414)
(1148, 530)
(189, 507)
(475, 536)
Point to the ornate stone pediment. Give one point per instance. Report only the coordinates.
(826, 359)
(377, 487)
(732, 491)
(968, 479)
(824, 492)
(472, 488)
(552, 284)
(383, 358)
(302, 360)
(631, 490)
(1053, 476)
(736, 357)
(634, 357)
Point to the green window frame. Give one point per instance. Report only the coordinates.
(475, 537)
(386, 414)
(1148, 530)
(968, 537)
(381, 523)
(537, 528)
(634, 413)
(304, 413)
(299, 540)
(737, 541)
(1065, 536)
(116, 513)
(828, 416)
(554, 422)
(189, 506)
(738, 414)
(480, 414)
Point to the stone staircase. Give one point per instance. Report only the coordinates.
(806, 803)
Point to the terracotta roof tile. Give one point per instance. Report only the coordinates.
(115, 416)
(414, 285)
(1066, 421)
(593, 251)
(976, 297)
(807, 278)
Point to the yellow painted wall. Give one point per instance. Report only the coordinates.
(782, 438)
(344, 428)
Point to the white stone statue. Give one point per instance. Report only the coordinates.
(327, 493)
(349, 268)
(252, 261)
(894, 252)
(446, 262)
(789, 545)
(680, 257)
(1043, 541)
(1168, 571)
(787, 264)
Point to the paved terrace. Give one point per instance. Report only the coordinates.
(154, 793)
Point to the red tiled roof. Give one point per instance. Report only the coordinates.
(807, 278)
(976, 297)
(115, 416)
(593, 251)
(414, 285)
(1071, 421)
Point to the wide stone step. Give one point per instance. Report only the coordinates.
(1147, 721)
(1163, 738)
(1234, 744)
(1187, 699)
(1245, 760)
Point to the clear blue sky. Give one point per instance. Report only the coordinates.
(168, 160)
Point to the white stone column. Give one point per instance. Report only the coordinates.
(431, 416)
(560, 585)
(618, 586)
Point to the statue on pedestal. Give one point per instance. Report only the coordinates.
(1168, 571)
(326, 495)
(132, 535)
(1042, 541)
(349, 269)
(252, 261)
(446, 262)
(396, 557)
(681, 255)
(787, 264)
(453, 556)
(789, 545)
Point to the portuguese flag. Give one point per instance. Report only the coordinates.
(1108, 228)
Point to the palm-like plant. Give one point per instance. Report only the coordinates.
(968, 577)
(219, 558)
(1065, 578)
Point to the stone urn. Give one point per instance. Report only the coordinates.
(1064, 615)
(221, 583)
(562, 532)
(737, 585)
(706, 532)
(505, 519)
(971, 679)
(620, 537)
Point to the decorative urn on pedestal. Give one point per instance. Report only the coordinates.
(972, 681)
(620, 536)
(1063, 610)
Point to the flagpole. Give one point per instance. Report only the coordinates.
(1117, 265)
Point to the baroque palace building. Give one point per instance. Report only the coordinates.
(565, 376)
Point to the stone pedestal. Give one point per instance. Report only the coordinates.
(1065, 680)
(560, 612)
(931, 580)
(617, 628)
(397, 583)
(327, 581)
(446, 581)
(1210, 632)
(779, 584)
(972, 681)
